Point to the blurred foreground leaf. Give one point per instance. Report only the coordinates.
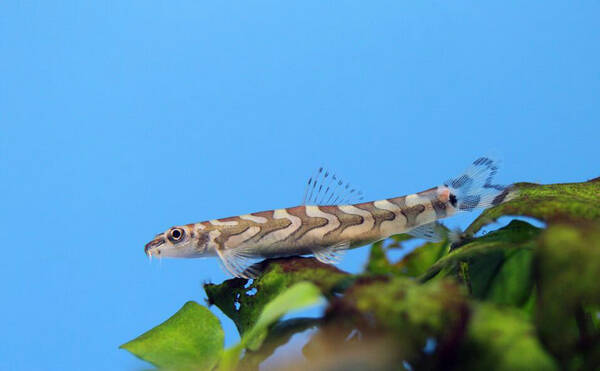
(502, 339)
(551, 202)
(428, 326)
(191, 339)
(279, 334)
(378, 262)
(299, 296)
(567, 275)
(399, 313)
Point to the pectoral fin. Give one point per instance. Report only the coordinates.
(237, 263)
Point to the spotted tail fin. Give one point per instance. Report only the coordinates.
(475, 188)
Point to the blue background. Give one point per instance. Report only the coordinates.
(121, 119)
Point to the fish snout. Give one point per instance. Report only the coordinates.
(153, 244)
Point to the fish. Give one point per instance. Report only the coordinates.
(331, 219)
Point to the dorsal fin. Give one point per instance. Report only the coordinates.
(327, 188)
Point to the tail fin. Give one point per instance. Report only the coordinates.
(474, 188)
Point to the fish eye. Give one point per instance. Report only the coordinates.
(176, 234)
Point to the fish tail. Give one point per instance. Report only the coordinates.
(475, 187)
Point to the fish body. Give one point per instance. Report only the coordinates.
(327, 230)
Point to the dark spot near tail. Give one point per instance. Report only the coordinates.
(453, 199)
(439, 207)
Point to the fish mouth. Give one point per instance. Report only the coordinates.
(153, 244)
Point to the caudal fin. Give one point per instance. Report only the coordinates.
(474, 188)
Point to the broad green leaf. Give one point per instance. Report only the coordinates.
(571, 201)
(567, 276)
(422, 258)
(192, 339)
(502, 339)
(496, 267)
(243, 303)
(513, 282)
(298, 296)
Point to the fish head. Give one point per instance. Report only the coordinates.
(178, 242)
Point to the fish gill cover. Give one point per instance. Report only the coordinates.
(519, 297)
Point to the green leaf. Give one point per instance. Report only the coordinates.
(496, 267)
(413, 264)
(552, 202)
(244, 303)
(502, 339)
(300, 295)
(419, 260)
(191, 339)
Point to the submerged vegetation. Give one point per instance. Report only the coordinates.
(519, 297)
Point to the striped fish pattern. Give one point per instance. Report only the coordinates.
(327, 230)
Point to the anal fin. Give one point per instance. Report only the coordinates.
(433, 232)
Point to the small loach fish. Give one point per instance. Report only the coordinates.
(329, 221)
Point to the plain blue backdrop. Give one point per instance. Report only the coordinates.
(121, 119)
